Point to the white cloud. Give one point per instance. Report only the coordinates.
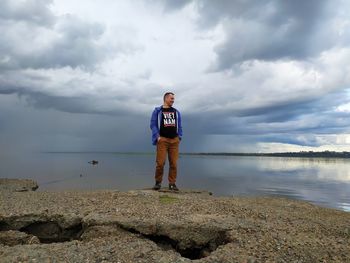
(336, 145)
(343, 108)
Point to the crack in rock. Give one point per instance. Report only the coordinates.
(52, 232)
(190, 239)
(192, 242)
(46, 229)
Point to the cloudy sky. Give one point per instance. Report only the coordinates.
(248, 75)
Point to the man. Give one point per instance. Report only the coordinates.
(166, 134)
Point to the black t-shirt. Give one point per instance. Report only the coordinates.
(168, 125)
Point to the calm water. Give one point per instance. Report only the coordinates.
(322, 181)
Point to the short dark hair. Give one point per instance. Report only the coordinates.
(166, 94)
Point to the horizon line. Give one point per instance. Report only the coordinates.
(325, 151)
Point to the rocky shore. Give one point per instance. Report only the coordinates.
(150, 226)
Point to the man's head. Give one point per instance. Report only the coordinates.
(169, 99)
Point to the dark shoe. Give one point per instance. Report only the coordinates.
(157, 186)
(173, 187)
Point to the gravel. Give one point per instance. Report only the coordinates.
(191, 226)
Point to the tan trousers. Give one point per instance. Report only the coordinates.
(171, 147)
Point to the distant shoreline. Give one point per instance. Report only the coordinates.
(325, 154)
(302, 154)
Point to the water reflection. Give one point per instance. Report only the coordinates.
(326, 169)
(322, 181)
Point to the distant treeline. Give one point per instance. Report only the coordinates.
(324, 154)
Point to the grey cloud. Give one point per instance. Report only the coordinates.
(71, 104)
(53, 41)
(290, 139)
(289, 118)
(86, 105)
(34, 11)
(39, 91)
(311, 124)
(295, 30)
(74, 46)
(170, 5)
(269, 29)
(212, 12)
(33, 41)
(291, 109)
(26, 128)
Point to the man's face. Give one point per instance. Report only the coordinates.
(169, 100)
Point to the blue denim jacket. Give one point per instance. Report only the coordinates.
(155, 123)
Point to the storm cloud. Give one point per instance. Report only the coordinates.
(248, 75)
(271, 30)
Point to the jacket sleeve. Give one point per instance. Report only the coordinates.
(154, 125)
(179, 125)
